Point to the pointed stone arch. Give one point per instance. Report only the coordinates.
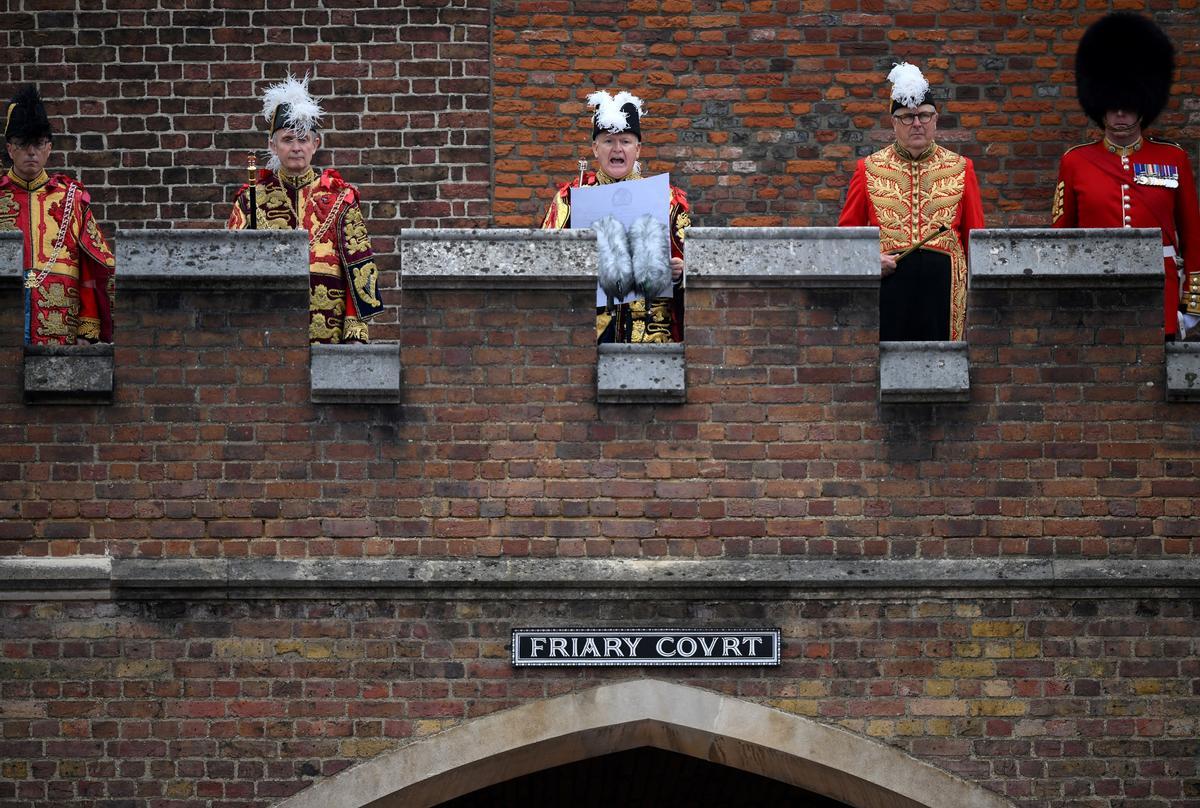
(646, 712)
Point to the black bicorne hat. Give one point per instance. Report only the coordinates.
(1126, 62)
(25, 117)
(616, 114)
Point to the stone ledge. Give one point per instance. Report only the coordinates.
(12, 256)
(577, 578)
(355, 374)
(645, 373)
(68, 374)
(212, 259)
(923, 372)
(519, 258)
(1183, 371)
(1099, 258)
(783, 256)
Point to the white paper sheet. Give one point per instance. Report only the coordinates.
(626, 202)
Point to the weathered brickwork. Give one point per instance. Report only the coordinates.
(211, 449)
(1054, 703)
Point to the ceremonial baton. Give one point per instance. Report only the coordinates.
(922, 242)
(252, 172)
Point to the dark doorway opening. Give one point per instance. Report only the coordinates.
(645, 776)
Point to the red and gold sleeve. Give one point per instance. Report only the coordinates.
(239, 215)
(856, 212)
(1187, 229)
(1064, 211)
(97, 275)
(970, 211)
(558, 214)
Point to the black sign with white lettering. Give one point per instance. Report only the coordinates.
(585, 647)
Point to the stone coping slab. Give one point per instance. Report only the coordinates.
(1183, 371)
(68, 374)
(645, 373)
(355, 374)
(924, 372)
(783, 256)
(22, 578)
(518, 258)
(220, 259)
(12, 256)
(1062, 257)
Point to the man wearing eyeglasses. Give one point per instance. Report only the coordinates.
(68, 280)
(925, 201)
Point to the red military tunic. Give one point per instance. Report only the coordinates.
(1148, 184)
(908, 198)
(69, 268)
(343, 278)
(558, 217)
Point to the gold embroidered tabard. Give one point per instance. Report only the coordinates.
(343, 277)
(69, 267)
(912, 198)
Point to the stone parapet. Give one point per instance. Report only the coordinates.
(12, 249)
(1055, 258)
(223, 259)
(793, 256)
(521, 258)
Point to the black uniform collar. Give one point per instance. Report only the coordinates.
(907, 155)
(298, 182)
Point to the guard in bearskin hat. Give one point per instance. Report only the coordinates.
(629, 261)
(1123, 73)
(925, 201)
(289, 194)
(68, 266)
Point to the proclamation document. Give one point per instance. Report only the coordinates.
(625, 201)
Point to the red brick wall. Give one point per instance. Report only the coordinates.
(1067, 447)
(1053, 703)
(159, 102)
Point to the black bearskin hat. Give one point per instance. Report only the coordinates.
(1124, 61)
(25, 118)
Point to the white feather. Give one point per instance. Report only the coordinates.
(615, 272)
(648, 241)
(609, 116)
(304, 112)
(908, 85)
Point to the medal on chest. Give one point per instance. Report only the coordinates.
(1156, 174)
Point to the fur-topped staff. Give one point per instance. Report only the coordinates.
(25, 117)
(909, 87)
(1125, 62)
(616, 114)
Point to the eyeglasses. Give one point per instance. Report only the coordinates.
(907, 118)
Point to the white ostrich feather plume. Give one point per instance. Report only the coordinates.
(615, 268)
(304, 111)
(908, 85)
(651, 269)
(608, 115)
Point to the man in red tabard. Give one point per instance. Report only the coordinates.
(616, 145)
(925, 201)
(291, 195)
(1123, 72)
(69, 268)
